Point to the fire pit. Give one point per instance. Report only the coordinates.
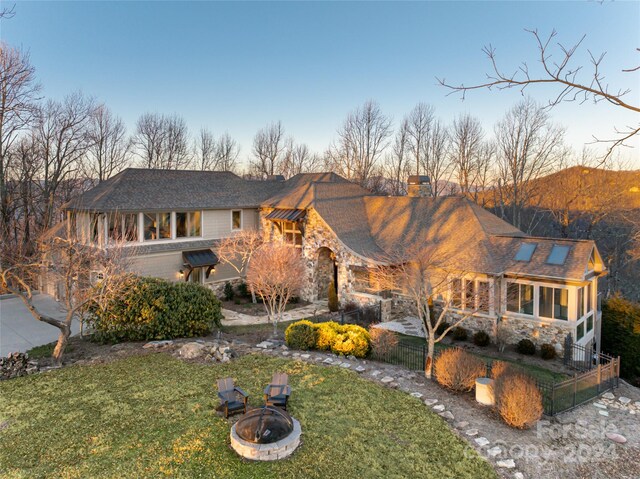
(265, 434)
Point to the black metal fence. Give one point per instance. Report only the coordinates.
(599, 374)
(363, 316)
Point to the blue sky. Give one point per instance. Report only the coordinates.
(237, 66)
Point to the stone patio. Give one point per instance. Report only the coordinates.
(409, 325)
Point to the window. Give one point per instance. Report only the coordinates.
(520, 298)
(188, 224)
(589, 297)
(456, 293)
(484, 296)
(554, 303)
(469, 299)
(526, 251)
(123, 227)
(291, 233)
(580, 298)
(95, 228)
(131, 227)
(236, 220)
(157, 226)
(580, 331)
(115, 227)
(558, 254)
(589, 322)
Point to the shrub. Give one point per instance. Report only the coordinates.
(243, 290)
(458, 370)
(334, 305)
(459, 333)
(382, 340)
(228, 291)
(301, 335)
(152, 308)
(498, 368)
(547, 351)
(526, 346)
(326, 334)
(352, 339)
(621, 335)
(481, 338)
(518, 400)
(442, 327)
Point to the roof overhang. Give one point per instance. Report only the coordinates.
(285, 214)
(202, 258)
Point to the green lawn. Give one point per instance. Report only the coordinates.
(153, 416)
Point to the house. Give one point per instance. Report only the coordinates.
(538, 288)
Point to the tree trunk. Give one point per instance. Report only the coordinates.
(63, 338)
(428, 365)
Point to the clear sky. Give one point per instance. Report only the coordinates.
(237, 66)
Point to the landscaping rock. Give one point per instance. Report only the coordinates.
(417, 395)
(508, 463)
(624, 400)
(494, 451)
(286, 353)
(14, 365)
(345, 365)
(191, 350)
(608, 396)
(615, 437)
(603, 413)
(447, 415)
(387, 380)
(305, 356)
(267, 345)
(518, 475)
(360, 369)
(461, 424)
(599, 405)
(439, 408)
(430, 402)
(328, 361)
(471, 432)
(481, 441)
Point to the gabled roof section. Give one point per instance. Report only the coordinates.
(136, 189)
(575, 266)
(302, 190)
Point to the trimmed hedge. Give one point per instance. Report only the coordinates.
(152, 309)
(621, 335)
(345, 339)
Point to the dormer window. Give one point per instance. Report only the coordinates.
(558, 254)
(525, 252)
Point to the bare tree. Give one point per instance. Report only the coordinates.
(297, 159)
(204, 151)
(397, 165)
(237, 250)
(8, 12)
(18, 94)
(362, 140)
(529, 147)
(108, 150)
(424, 276)
(62, 133)
(68, 263)
(419, 123)
(436, 158)
(563, 74)
(467, 136)
(227, 152)
(162, 141)
(276, 273)
(268, 149)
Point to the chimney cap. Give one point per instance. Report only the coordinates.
(419, 180)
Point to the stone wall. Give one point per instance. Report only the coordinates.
(540, 332)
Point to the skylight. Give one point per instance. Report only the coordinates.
(526, 251)
(558, 254)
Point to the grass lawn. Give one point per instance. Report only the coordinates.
(153, 416)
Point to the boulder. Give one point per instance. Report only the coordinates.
(191, 350)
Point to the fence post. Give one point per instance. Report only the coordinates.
(380, 311)
(568, 349)
(553, 397)
(575, 389)
(599, 376)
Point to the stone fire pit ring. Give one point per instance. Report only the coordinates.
(267, 452)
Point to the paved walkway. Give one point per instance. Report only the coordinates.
(409, 325)
(20, 331)
(233, 318)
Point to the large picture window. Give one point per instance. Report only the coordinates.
(123, 227)
(157, 226)
(520, 298)
(471, 295)
(188, 224)
(554, 303)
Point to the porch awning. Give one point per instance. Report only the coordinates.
(202, 258)
(286, 214)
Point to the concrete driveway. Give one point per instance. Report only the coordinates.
(19, 331)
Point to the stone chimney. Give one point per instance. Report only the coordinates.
(419, 186)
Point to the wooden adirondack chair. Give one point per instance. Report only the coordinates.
(232, 398)
(277, 393)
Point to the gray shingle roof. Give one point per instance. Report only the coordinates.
(137, 189)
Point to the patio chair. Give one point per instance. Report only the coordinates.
(277, 393)
(232, 398)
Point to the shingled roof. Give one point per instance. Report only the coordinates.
(136, 189)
